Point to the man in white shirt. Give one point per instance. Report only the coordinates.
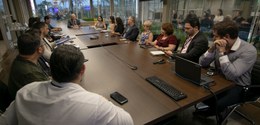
(63, 101)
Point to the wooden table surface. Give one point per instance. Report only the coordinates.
(108, 71)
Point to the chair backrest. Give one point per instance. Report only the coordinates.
(255, 74)
(5, 99)
(253, 92)
(155, 36)
(137, 34)
(177, 45)
(243, 35)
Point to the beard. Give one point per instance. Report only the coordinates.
(83, 79)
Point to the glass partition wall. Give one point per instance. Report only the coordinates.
(154, 10)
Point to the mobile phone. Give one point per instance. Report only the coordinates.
(118, 98)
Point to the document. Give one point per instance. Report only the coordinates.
(104, 31)
(123, 39)
(157, 52)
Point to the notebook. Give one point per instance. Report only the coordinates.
(157, 52)
(190, 71)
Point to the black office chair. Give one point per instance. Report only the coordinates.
(177, 45)
(5, 99)
(243, 35)
(155, 36)
(250, 94)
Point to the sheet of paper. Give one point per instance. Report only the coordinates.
(157, 52)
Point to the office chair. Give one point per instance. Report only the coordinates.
(177, 45)
(243, 35)
(155, 36)
(250, 93)
(5, 98)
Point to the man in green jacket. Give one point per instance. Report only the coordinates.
(25, 68)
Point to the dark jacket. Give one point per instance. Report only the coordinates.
(71, 23)
(22, 73)
(131, 33)
(197, 47)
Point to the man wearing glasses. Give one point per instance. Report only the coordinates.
(132, 31)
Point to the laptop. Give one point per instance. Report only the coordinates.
(190, 71)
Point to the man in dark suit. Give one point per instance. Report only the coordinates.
(132, 30)
(73, 22)
(196, 43)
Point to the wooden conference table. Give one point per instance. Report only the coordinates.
(108, 71)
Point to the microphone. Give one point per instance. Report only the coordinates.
(161, 61)
(133, 67)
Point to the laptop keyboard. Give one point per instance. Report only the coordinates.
(166, 88)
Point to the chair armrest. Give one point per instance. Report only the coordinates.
(251, 86)
(250, 92)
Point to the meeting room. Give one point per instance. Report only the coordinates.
(129, 62)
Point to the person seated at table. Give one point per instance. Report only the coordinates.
(119, 28)
(25, 68)
(100, 24)
(47, 20)
(219, 16)
(52, 29)
(73, 22)
(166, 41)
(44, 34)
(234, 58)
(112, 23)
(196, 43)
(132, 30)
(33, 20)
(62, 100)
(146, 36)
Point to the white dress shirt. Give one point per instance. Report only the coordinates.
(48, 47)
(218, 19)
(187, 43)
(43, 103)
